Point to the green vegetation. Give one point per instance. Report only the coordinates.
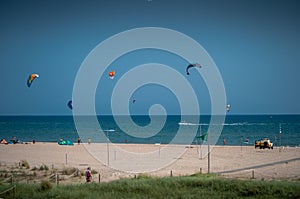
(25, 164)
(45, 185)
(68, 170)
(196, 186)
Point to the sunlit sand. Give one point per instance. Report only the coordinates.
(228, 161)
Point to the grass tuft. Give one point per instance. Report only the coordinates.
(45, 185)
(196, 186)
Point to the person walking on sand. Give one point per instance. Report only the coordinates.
(89, 140)
(88, 175)
(78, 140)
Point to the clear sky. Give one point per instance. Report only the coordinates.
(255, 45)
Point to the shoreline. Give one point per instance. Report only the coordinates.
(124, 143)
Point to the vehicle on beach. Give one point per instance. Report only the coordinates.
(264, 143)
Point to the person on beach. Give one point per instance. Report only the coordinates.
(88, 175)
(3, 141)
(78, 140)
(14, 140)
(89, 140)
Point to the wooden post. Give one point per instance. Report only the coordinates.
(208, 155)
(280, 137)
(241, 141)
(57, 179)
(201, 142)
(159, 151)
(99, 177)
(200, 170)
(171, 173)
(252, 174)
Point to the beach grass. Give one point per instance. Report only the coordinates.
(195, 186)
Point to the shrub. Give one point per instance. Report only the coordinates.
(68, 171)
(143, 176)
(45, 185)
(94, 172)
(82, 173)
(25, 164)
(44, 167)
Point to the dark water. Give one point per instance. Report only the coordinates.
(236, 129)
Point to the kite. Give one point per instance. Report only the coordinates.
(31, 78)
(111, 74)
(228, 106)
(70, 105)
(191, 65)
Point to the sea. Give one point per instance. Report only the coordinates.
(283, 130)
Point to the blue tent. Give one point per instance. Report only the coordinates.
(65, 142)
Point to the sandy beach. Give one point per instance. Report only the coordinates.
(229, 161)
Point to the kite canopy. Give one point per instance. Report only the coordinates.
(31, 78)
(228, 106)
(190, 66)
(70, 105)
(111, 74)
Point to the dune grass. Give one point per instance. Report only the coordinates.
(196, 186)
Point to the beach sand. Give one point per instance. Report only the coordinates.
(229, 161)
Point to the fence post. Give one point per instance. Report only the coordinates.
(57, 179)
(99, 177)
(252, 174)
(171, 173)
(201, 170)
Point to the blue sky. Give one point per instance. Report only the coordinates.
(255, 45)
